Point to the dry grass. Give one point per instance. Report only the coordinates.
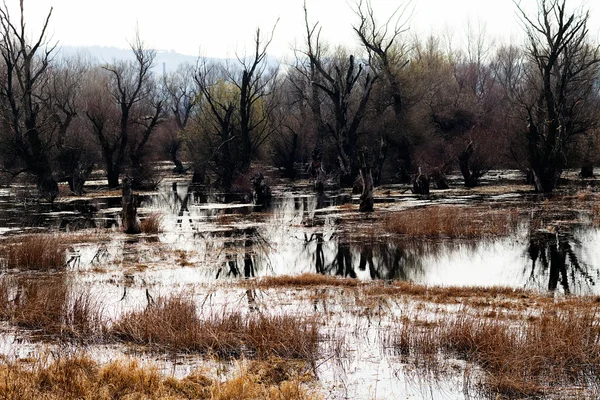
(79, 377)
(36, 252)
(304, 280)
(49, 309)
(452, 222)
(536, 356)
(173, 324)
(152, 224)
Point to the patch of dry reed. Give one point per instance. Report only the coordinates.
(152, 224)
(173, 324)
(41, 252)
(48, 308)
(534, 357)
(303, 280)
(452, 222)
(79, 377)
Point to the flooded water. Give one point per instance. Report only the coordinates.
(209, 237)
(225, 236)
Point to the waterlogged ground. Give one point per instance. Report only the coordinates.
(212, 244)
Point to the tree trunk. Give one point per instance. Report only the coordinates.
(463, 162)
(178, 169)
(129, 212)
(366, 198)
(421, 184)
(587, 171)
(383, 148)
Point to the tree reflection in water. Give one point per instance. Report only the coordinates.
(555, 255)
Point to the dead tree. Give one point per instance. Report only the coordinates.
(129, 210)
(256, 85)
(183, 98)
(130, 86)
(565, 67)
(339, 80)
(23, 76)
(387, 56)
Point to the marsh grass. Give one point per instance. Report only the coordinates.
(40, 252)
(452, 222)
(49, 308)
(80, 377)
(536, 356)
(152, 224)
(173, 324)
(303, 280)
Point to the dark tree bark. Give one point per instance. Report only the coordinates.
(366, 198)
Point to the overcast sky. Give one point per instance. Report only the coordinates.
(220, 28)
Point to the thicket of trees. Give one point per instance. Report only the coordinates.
(401, 104)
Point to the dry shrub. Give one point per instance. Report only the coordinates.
(173, 324)
(152, 224)
(79, 377)
(452, 222)
(36, 252)
(556, 349)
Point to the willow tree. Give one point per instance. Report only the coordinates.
(562, 85)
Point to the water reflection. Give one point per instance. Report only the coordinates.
(224, 236)
(554, 257)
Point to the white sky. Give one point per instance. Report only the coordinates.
(220, 28)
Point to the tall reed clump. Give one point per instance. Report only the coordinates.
(452, 222)
(49, 308)
(41, 252)
(535, 357)
(173, 324)
(152, 224)
(80, 377)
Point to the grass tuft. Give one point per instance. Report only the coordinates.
(36, 252)
(152, 224)
(173, 324)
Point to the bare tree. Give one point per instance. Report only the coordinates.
(565, 67)
(139, 109)
(388, 56)
(183, 98)
(256, 84)
(24, 76)
(238, 112)
(75, 148)
(339, 79)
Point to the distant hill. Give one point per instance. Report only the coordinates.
(166, 60)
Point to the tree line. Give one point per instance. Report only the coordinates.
(397, 105)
